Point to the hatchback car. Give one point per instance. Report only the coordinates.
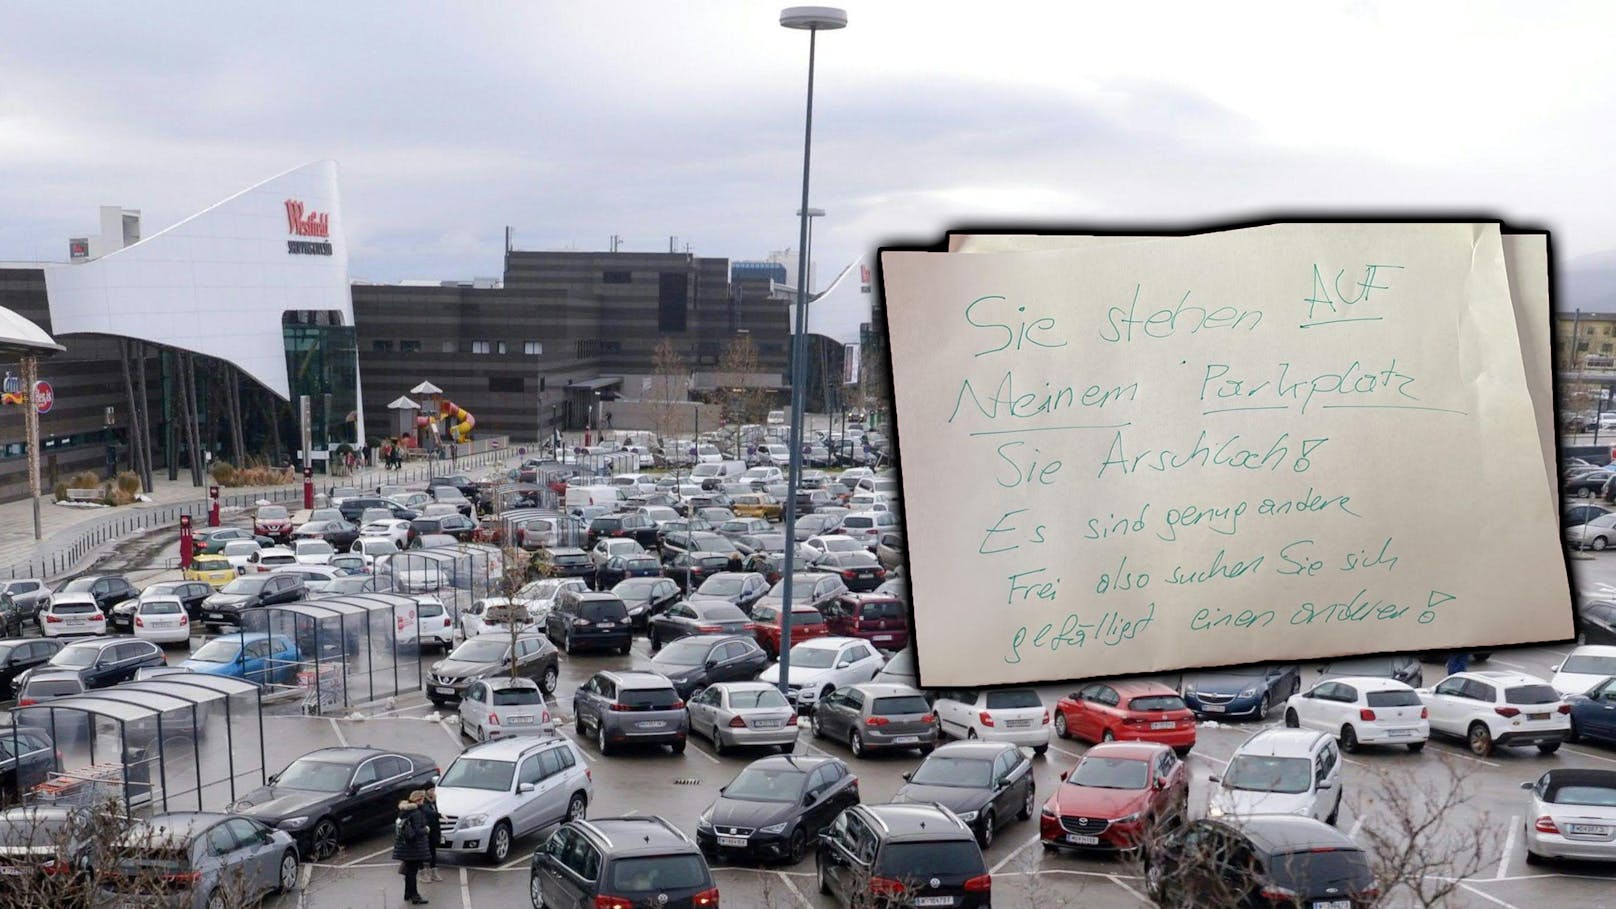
(693, 663)
(267, 659)
(1128, 711)
(70, 614)
(902, 855)
(859, 571)
(501, 707)
(30, 594)
(741, 588)
(987, 785)
(107, 590)
(873, 717)
(692, 569)
(1571, 814)
(1489, 709)
(1281, 771)
(1583, 668)
(212, 570)
(1263, 861)
(628, 708)
(1117, 797)
(161, 620)
(497, 791)
(645, 598)
(190, 593)
(620, 862)
(583, 619)
(806, 624)
(620, 568)
(697, 618)
(45, 684)
(1362, 711)
(1015, 715)
(823, 665)
(776, 807)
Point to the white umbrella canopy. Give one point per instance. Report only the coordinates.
(426, 388)
(402, 402)
(18, 335)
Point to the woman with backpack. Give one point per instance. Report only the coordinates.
(411, 845)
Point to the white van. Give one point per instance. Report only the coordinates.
(718, 470)
(776, 418)
(581, 496)
(708, 454)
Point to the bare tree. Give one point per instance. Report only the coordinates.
(743, 402)
(668, 394)
(1418, 852)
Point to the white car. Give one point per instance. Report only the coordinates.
(1597, 534)
(867, 526)
(778, 455)
(161, 620)
(861, 502)
(1488, 709)
(539, 596)
(312, 552)
(508, 788)
(1584, 668)
(614, 546)
(1571, 814)
(270, 559)
(374, 547)
(835, 542)
(72, 613)
(392, 528)
(414, 501)
(1360, 710)
(315, 577)
(236, 552)
(762, 475)
(476, 619)
(1014, 715)
(1281, 771)
(501, 707)
(435, 624)
(822, 665)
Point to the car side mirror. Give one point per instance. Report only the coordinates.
(809, 799)
(907, 774)
(712, 664)
(524, 788)
(844, 664)
(1556, 667)
(1064, 775)
(1528, 785)
(354, 789)
(825, 836)
(1325, 784)
(1213, 778)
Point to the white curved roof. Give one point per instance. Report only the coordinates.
(17, 333)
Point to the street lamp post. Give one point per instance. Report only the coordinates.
(812, 19)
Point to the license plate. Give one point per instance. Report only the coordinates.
(215, 615)
(1168, 724)
(734, 842)
(766, 724)
(1082, 840)
(881, 637)
(650, 724)
(1018, 724)
(1332, 904)
(605, 624)
(1537, 716)
(1214, 708)
(934, 901)
(442, 690)
(906, 740)
(1399, 733)
(1588, 829)
(519, 720)
(11, 870)
(72, 621)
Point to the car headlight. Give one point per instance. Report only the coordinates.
(242, 805)
(1249, 693)
(1215, 810)
(966, 816)
(1189, 687)
(473, 820)
(706, 819)
(636, 610)
(774, 828)
(1128, 819)
(292, 823)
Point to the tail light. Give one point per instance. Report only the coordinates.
(98, 617)
(187, 879)
(140, 622)
(753, 626)
(737, 723)
(619, 708)
(876, 721)
(880, 572)
(1131, 720)
(887, 887)
(26, 702)
(929, 718)
(57, 865)
(1507, 711)
(52, 618)
(184, 620)
(708, 629)
(708, 897)
(1046, 718)
(985, 718)
(792, 720)
(1278, 894)
(1425, 713)
(1367, 715)
(493, 718)
(1564, 708)
(1545, 824)
(677, 705)
(982, 883)
(612, 902)
(849, 574)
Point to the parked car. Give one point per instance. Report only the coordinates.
(1489, 709)
(823, 665)
(212, 540)
(742, 588)
(44, 684)
(14, 618)
(1300, 860)
(860, 571)
(985, 784)
(635, 861)
(212, 570)
(30, 594)
(104, 662)
(903, 855)
(1281, 771)
(693, 663)
(206, 860)
(809, 588)
(337, 531)
(489, 656)
(71, 614)
(251, 591)
(589, 619)
(890, 550)
(806, 624)
(872, 717)
(674, 543)
(692, 569)
(335, 795)
(882, 619)
(620, 568)
(191, 594)
(697, 617)
(645, 598)
(18, 655)
(1240, 691)
(500, 707)
(564, 562)
(742, 715)
(455, 524)
(1401, 667)
(1595, 622)
(1013, 715)
(628, 526)
(1133, 710)
(497, 791)
(255, 656)
(624, 708)
(867, 526)
(1597, 533)
(1362, 711)
(1117, 796)
(273, 521)
(106, 590)
(1593, 713)
(776, 807)
(1570, 815)
(161, 620)
(1583, 668)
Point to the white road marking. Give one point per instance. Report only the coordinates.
(341, 739)
(369, 855)
(793, 888)
(690, 745)
(304, 873)
(465, 889)
(453, 734)
(1469, 757)
(1066, 751)
(1507, 663)
(1488, 897)
(576, 741)
(1115, 879)
(1509, 846)
(1588, 754)
(1012, 854)
(1357, 828)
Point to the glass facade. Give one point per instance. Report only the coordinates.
(322, 361)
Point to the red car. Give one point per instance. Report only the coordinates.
(878, 618)
(1114, 796)
(806, 624)
(1130, 711)
(273, 521)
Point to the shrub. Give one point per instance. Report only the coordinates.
(129, 482)
(84, 479)
(223, 473)
(119, 496)
(59, 491)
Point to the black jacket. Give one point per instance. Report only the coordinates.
(410, 834)
(434, 823)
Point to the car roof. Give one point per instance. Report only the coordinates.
(1594, 650)
(505, 681)
(887, 689)
(1287, 833)
(566, 550)
(1503, 677)
(1133, 751)
(43, 673)
(1133, 688)
(804, 762)
(353, 753)
(916, 820)
(1282, 743)
(826, 643)
(1371, 683)
(983, 750)
(513, 746)
(637, 678)
(707, 607)
(630, 836)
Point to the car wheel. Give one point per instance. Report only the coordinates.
(548, 681)
(1028, 805)
(576, 807)
(797, 846)
(288, 877)
(216, 900)
(1108, 736)
(623, 650)
(984, 834)
(855, 744)
(1040, 750)
(824, 882)
(1480, 739)
(1349, 739)
(1291, 719)
(970, 735)
(1263, 706)
(656, 641)
(1416, 747)
(323, 842)
(817, 728)
(679, 746)
(1572, 735)
(499, 844)
(719, 748)
(1335, 813)
(1598, 544)
(1156, 883)
(1548, 748)
(1060, 725)
(600, 738)
(535, 891)
(1532, 858)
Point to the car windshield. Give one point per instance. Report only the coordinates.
(1264, 773)
(272, 513)
(721, 586)
(245, 585)
(684, 653)
(481, 650)
(69, 608)
(1110, 773)
(217, 652)
(845, 545)
(900, 706)
(761, 784)
(478, 773)
(1531, 694)
(1589, 664)
(53, 688)
(315, 776)
(517, 697)
(1013, 699)
(75, 657)
(1157, 702)
(160, 607)
(637, 586)
(658, 873)
(649, 698)
(812, 657)
(918, 860)
(939, 770)
(760, 697)
(1393, 698)
(1591, 795)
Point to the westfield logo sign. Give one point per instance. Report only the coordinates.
(306, 224)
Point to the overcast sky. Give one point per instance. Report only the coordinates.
(572, 122)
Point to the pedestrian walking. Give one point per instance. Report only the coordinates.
(410, 845)
(1458, 662)
(434, 829)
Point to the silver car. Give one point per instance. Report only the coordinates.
(500, 790)
(875, 717)
(1572, 815)
(31, 595)
(744, 714)
(502, 707)
(205, 861)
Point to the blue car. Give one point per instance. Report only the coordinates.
(1237, 692)
(1593, 714)
(251, 655)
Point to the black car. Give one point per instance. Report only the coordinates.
(1401, 667)
(563, 562)
(1212, 863)
(18, 655)
(1586, 484)
(645, 598)
(740, 588)
(580, 619)
(191, 595)
(27, 756)
(621, 568)
(776, 808)
(808, 588)
(333, 795)
(620, 861)
(986, 784)
(103, 662)
(458, 526)
(916, 853)
(339, 533)
(352, 509)
(636, 527)
(697, 617)
(693, 663)
(690, 569)
(108, 589)
(674, 544)
(250, 592)
(490, 655)
(1595, 622)
(810, 499)
(859, 569)
(466, 485)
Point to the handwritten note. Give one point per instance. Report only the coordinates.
(1282, 442)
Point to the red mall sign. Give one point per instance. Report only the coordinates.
(310, 224)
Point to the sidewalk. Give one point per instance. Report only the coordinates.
(73, 535)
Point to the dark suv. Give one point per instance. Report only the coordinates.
(102, 662)
(565, 562)
(1310, 862)
(488, 655)
(18, 655)
(108, 589)
(249, 592)
(620, 861)
(902, 855)
(630, 708)
(582, 618)
(629, 526)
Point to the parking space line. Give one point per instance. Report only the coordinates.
(1488, 896)
(1066, 751)
(1136, 894)
(1353, 761)
(1013, 853)
(1509, 846)
(369, 855)
(576, 741)
(691, 745)
(341, 739)
(1509, 664)
(793, 888)
(1357, 828)
(453, 734)
(304, 874)
(1448, 752)
(465, 889)
(1588, 754)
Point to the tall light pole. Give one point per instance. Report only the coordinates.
(808, 245)
(812, 19)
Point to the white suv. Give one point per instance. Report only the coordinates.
(822, 665)
(506, 788)
(1014, 715)
(1281, 771)
(1488, 709)
(1362, 711)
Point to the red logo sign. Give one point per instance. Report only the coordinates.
(864, 274)
(44, 396)
(306, 224)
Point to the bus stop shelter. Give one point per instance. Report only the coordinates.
(347, 650)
